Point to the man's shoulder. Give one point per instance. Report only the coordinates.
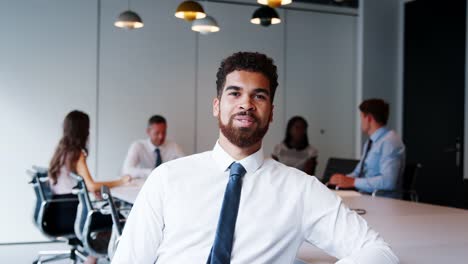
(190, 159)
(279, 170)
(139, 143)
(392, 137)
(171, 144)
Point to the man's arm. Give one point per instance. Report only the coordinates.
(143, 231)
(390, 163)
(333, 227)
(131, 163)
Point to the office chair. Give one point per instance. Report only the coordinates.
(54, 217)
(117, 220)
(93, 225)
(338, 165)
(408, 190)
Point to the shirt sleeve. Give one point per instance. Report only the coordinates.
(143, 230)
(130, 166)
(341, 232)
(390, 165)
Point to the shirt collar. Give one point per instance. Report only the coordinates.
(153, 147)
(378, 133)
(250, 163)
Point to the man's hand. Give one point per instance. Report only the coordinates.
(342, 180)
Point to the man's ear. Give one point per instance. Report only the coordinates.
(370, 118)
(216, 107)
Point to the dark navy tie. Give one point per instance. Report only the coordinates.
(222, 246)
(158, 158)
(361, 171)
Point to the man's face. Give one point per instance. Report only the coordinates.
(157, 133)
(244, 110)
(365, 122)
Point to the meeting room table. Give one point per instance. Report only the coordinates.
(417, 232)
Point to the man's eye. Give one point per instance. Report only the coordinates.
(260, 96)
(234, 93)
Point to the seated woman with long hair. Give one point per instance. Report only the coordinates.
(70, 156)
(295, 150)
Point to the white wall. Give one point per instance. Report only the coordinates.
(49, 61)
(320, 80)
(381, 52)
(47, 68)
(144, 72)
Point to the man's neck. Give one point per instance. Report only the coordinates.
(236, 152)
(155, 145)
(373, 128)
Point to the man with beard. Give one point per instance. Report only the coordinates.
(231, 205)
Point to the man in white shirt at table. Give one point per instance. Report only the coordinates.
(146, 154)
(231, 204)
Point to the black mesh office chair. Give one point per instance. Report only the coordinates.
(117, 219)
(338, 165)
(54, 215)
(92, 225)
(407, 192)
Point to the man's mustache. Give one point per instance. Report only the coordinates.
(246, 113)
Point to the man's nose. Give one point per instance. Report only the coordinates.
(246, 104)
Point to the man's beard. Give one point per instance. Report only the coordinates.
(242, 137)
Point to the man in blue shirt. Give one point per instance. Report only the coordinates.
(383, 159)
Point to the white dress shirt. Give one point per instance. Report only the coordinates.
(141, 157)
(175, 215)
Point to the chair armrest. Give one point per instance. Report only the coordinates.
(39, 169)
(63, 200)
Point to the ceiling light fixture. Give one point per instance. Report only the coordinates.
(190, 10)
(205, 25)
(129, 20)
(274, 3)
(265, 16)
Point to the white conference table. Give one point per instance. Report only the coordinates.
(418, 233)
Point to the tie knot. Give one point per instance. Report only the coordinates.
(157, 150)
(237, 169)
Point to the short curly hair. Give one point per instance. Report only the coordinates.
(251, 62)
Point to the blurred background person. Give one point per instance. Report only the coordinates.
(295, 150)
(383, 160)
(146, 154)
(70, 156)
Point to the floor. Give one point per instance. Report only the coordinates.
(27, 253)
